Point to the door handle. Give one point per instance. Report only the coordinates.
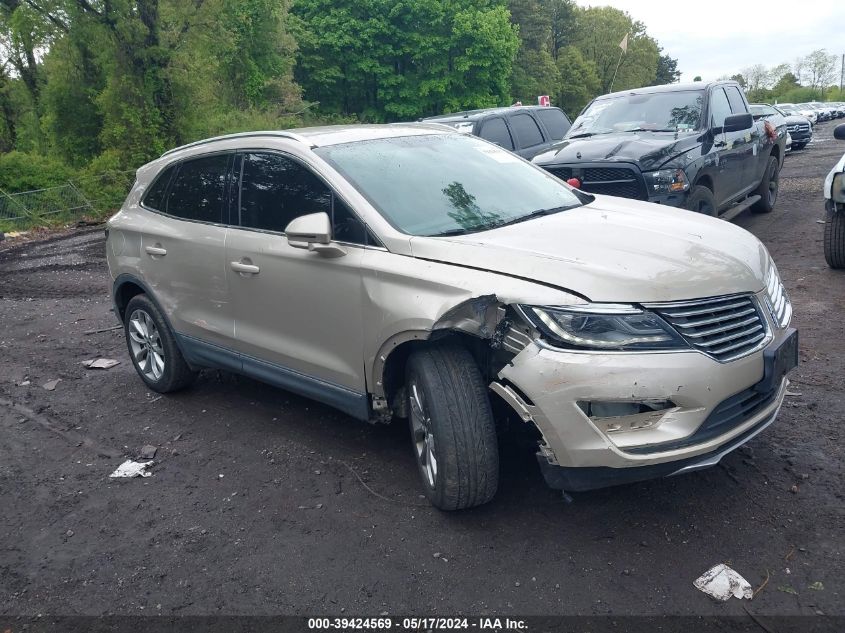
(156, 251)
(247, 269)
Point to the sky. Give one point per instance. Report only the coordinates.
(721, 37)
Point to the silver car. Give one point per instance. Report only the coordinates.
(408, 271)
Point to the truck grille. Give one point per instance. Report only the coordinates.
(725, 328)
(623, 182)
(795, 127)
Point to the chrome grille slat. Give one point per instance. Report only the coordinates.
(718, 319)
(706, 310)
(730, 348)
(724, 328)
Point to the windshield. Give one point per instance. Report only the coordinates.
(447, 183)
(655, 112)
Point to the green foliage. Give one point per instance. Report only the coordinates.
(402, 59)
(579, 81)
(600, 31)
(20, 171)
(667, 70)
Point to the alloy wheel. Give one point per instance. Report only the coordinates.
(423, 435)
(145, 343)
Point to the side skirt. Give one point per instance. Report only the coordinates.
(199, 353)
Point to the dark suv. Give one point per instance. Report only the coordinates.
(524, 130)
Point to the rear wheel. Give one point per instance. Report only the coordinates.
(701, 200)
(834, 238)
(768, 188)
(153, 348)
(452, 428)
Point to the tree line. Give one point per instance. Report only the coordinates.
(813, 77)
(97, 85)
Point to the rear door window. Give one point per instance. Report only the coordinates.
(526, 130)
(736, 100)
(555, 121)
(199, 188)
(720, 108)
(496, 131)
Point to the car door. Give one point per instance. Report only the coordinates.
(183, 247)
(528, 136)
(555, 122)
(729, 168)
(298, 313)
(746, 144)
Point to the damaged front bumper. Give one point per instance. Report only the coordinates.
(613, 418)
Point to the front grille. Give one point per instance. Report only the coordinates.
(623, 182)
(724, 328)
(727, 415)
(804, 127)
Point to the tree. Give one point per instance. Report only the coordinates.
(564, 23)
(757, 77)
(579, 81)
(697, 78)
(821, 69)
(740, 79)
(403, 59)
(534, 69)
(667, 70)
(600, 31)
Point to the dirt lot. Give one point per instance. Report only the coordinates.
(258, 504)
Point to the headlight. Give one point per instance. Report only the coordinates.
(603, 327)
(838, 188)
(666, 181)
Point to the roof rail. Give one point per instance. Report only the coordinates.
(281, 133)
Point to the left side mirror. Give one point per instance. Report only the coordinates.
(839, 132)
(313, 232)
(738, 122)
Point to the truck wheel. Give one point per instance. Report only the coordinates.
(834, 238)
(452, 428)
(153, 348)
(702, 200)
(768, 188)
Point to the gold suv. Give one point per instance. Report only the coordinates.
(410, 271)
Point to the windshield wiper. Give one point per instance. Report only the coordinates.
(496, 225)
(642, 129)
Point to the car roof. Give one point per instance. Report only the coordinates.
(329, 134)
(474, 115)
(697, 85)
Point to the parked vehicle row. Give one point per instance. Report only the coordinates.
(799, 128)
(409, 271)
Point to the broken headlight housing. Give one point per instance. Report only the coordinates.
(603, 327)
(666, 181)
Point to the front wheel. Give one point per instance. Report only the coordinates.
(701, 200)
(768, 188)
(452, 428)
(834, 237)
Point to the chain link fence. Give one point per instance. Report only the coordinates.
(90, 197)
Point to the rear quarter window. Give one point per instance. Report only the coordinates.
(154, 198)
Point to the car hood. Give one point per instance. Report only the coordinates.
(794, 119)
(615, 250)
(649, 150)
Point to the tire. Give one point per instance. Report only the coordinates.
(153, 348)
(452, 429)
(834, 237)
(768, 188)
(701, 200)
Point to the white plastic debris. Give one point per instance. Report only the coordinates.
(130, 468)
(721, 582)
(101, 363)
(50, 385)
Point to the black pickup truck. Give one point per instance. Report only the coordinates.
(694, 146)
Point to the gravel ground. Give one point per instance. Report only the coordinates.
(262, 502)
